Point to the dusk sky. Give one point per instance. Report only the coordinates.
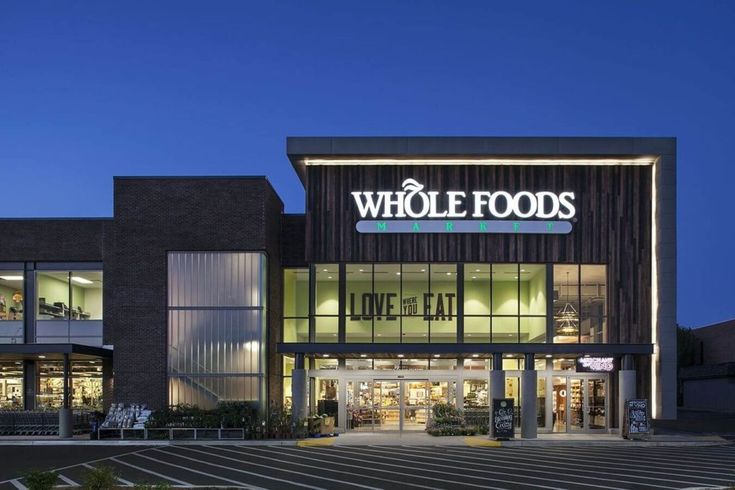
(90, 90)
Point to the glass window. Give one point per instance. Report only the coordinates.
(541, 402)
(327, 289)
(414, 291)
(11, 385)
(86, 384)
(53, 295)
(296, 293)
(11, 295)
(566, 303)
(216, 348)
(442, 303)
(533, 329)
(477, 364)
(564, 365)
(505, 289)
(326, 329)
(75, 295)
(505, 329)
(533, 289)
(477, 289)
(358, 364)
(387, 364)
(359, 307)
(477, 329)
(475, 393)
(324, 363)
(296, 330)
(440, 363)
(593, 321)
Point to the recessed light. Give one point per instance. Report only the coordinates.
(477, 270)
(363, 355)
(449, 273)
(437, 355)
(398, 273)
(515, 277)
(80, 280)
(12, 278)
(325, 355)
(508, 355)
(548, 356)
(400, 355)
(523, 270)
(474, 277)
(362, 270)
(475, 355)
(41, 357)
(423, 270)
(380, 334)
(586, 355)
(329, 277)
(334, 335)
(324, 270)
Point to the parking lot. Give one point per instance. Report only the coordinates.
(373, 467)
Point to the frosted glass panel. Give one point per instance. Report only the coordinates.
(217, 279)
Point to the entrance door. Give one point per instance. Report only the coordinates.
(415, 405)
(387, 404)
(579, 404)
(401, 404)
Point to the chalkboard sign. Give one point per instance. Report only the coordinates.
(636, 418)
(502, 418)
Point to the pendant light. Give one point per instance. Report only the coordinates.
(566, 320)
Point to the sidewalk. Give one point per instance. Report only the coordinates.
(398, 439)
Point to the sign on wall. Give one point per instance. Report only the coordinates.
(414, 210)
(596, 364)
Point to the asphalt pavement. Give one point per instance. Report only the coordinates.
(388, 467)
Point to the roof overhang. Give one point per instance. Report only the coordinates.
(460, 350)
(19, 352)
(476, 150)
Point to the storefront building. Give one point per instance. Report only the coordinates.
(425, 270)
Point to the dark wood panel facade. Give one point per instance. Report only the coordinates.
(612, 226)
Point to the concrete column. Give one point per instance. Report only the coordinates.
(529, 422)
(30, 385)
(626, 386)
(497, 379)
(342, 403)
(66, 417)
(298, 389)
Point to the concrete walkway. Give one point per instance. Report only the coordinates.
(398, 439)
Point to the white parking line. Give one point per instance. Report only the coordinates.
(672, 459)
(68, 481)
(573, 463)
(198, 472)
(488, 463)
(330, 462)
(404, 469)
(608, 460)
(123, 481)
(259, 475)
(310, 475)
(661, 455)
(165, 477)
(17, 484)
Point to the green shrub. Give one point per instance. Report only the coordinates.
(40, 480)
(157, 486)
(100, 478)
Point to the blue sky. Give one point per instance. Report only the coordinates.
(89, 90)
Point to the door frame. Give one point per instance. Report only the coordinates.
(584, 385)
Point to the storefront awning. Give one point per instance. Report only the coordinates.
(18, 352)
(459, 350)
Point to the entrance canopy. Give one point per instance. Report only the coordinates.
(458, 350)
(74, 352)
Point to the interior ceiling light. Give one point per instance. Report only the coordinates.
(475, 355)
(12, 278)
(80, 280)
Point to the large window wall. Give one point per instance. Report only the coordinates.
(216, 327)
(446, 303)
(11, 306)
(69, 307)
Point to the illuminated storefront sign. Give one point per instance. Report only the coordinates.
(419, 211)
(596, 364)
(434, 306)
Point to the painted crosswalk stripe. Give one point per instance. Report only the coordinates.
(17, 484)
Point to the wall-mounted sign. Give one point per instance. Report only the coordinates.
(596, 364)
(419, 211)
(433, 306)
